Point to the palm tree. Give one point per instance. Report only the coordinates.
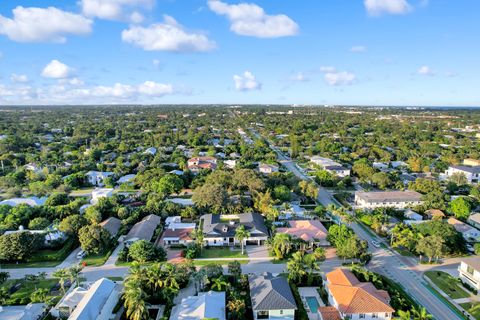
(295, 267)
(319, 254)
(219, 283)
(421, 314)
(154, 277)
(62, 275)
(199, 237)
(281, 244)
(237, 308)
(310, 263)
(4, 295)
(74, 273)
(134, 301)
(404, 315)
(169, 275)
(241, 234)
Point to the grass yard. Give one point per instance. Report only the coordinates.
(448, 284)
(22, 296)
(45, 258)
(97, 260)
(472, 308)
(222, 252)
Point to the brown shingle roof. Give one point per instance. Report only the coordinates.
(329, 313)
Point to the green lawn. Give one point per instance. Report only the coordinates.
(404, 252)
(22, 296)
(222, 253)
(473, 308)
(97, 260)
(45, 258)
(448, 284)
(201, 263)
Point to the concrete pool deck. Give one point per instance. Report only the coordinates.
(305, 292)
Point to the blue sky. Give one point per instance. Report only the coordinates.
(368, 52)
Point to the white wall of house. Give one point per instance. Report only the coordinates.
(362, 203)
(175, 240)
(469, 275)
(285, 314)
(219, 241)
(471, 177)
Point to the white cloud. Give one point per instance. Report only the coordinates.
(167, 36)
(43, 25)
(246, 82)
(337, 78)
(18, 78)
(300, 77)
(156, 63)
(379, 7)
(358, 49)
(326, 69)
(56, 70)
(425, 71)
(248, 19)
(116, 9)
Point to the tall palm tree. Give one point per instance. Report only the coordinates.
(199, 237)
(170, 277)
(241, 234)
(281, 244)
(154, 277)
(134, 301)
(296, 268)
(63, 275)
(421, 314)
(74, 273)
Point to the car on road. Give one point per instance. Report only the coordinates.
(81, 254)
(376, 244)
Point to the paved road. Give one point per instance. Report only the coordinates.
(385, 261)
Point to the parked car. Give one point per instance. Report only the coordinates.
(81, 254)
(376, 244)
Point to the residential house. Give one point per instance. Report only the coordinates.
(219, 230)
(292, 210)
(474, 220)
(469, 272)
(271, 297)
(126, 179)
(329, 313)
(97, 178)
(330, 166)
(434, 214)
(471, 162)
(472, 174)
(469, 233)
(230, 164)
(207, 305)
(355, 299)
(185, 202)
(267, 168)
(383, 199)
(143, 230)
(51, 235)
(412, 215)
(311, 231)
(32, 311)
(99, 193)
(202, 163)
(32, 201)
(112, 225)
(151, 151)
(94, 303)
(177, 232)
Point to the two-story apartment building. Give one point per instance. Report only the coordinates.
(469, 272)
(355, 299)
(384, 199)
(219, 230)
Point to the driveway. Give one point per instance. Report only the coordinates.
(257, 252)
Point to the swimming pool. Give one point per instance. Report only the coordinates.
(312, 304)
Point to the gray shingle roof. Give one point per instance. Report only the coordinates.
(270, 293)
(214, 225)
(144, 229)
(474, 170)
(112, 225)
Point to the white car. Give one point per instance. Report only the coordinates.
(376, 244)
(81, 254)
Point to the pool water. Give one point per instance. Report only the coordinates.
(312, 304)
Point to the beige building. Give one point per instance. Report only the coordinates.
(471, 162)
(386, 199)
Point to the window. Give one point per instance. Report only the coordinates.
(262, 314)
(374, 315)
(281, 311)
(387, 315)
(361, 315)
(470, 270)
